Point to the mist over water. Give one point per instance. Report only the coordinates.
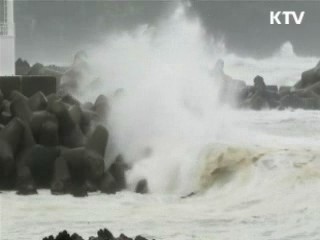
(165, 110)
(165, 106)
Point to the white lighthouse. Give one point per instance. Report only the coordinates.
(7, 38)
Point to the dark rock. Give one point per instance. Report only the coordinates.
(61, 179)
(87, 106)
(98, 141)
(259, 84)
(48, 135)
(20, 107)
(77, 164)
(309, 77)
(84, 166)
(5, 118)
(27, 139)
(142, 187)
(78, 190)
(256, 102)
(123, 237)
(25, 183)
(108, 184)
(86, 121)
(95, 166)
(51, 99)
(117, 170)
(1, 96)
(284, 90)
(101, 107)
(59, 69)
(315, 88)
(95, 152)
(76, 237)
(76, 114)
(91, 187)
(12, 134)
(7, 167)
(312, 103)
(5, 112)
(69, 132)
(24, 155)
(36, 69)
(105, 234)
(17, 95)
(49, 238)
(42, 163)
(38, 120)
(274, 103)
(22, 67)
(291, 101)
(140, 238)
(10, 139)
(5, 106)
(189, 195)
(38, 102)
(260, 96)
(40, 70)
(272, 88)
(70, 100)
(64, 235)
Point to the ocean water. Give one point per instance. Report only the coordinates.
(261, 191)
(256, 175)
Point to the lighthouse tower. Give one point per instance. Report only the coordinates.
(7, 38)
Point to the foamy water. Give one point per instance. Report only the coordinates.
(256, 174)
(275, 196)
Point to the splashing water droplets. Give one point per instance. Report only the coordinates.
(166, 102)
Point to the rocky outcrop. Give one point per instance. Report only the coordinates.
(260, 96)
(142, 187)
(53, 142)
(309, 77)
(102, 234)
(22, 67)
(305, 94)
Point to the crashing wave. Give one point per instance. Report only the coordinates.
(256, 168)
(286, 50)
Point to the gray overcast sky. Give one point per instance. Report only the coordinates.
(52, 31)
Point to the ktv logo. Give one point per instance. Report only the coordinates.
(286, 17)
